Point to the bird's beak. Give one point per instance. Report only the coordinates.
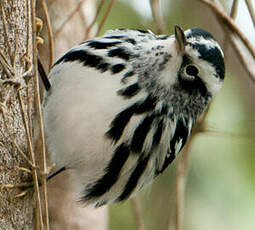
(180, 39)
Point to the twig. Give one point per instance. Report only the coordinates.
(137, 214)
(157, 15)
(214, 5)
(182, 170)
(39, 116)
(6, 65)
(242, 58)
(94, 20)
(101, 24)
(234, 42)
(180, 185)
(15, 50)
(251, 10)
(32, 158)
(50, 33)
(69, 17)
(233, 13)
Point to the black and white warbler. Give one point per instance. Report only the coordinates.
(122, 106)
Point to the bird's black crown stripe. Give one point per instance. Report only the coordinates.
(214, 56)
(111, 175)
(197, 32)
(134, 178)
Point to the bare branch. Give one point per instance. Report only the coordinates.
(32, 158)
(39, 118)
(101, 24)
(180, 185)
(6, 65)
(233, 13)
(137, 214)
(87, 34)
(69, 17)
(227, 21)
(157, 15)
(50, 33)
(251, 10)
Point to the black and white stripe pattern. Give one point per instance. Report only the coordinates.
(160, 110)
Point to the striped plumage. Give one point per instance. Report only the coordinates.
(123, 105)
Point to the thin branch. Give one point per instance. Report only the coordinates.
(182, 167)
(50, 33)
(182, 171)
(233, 14)
(99, 8)
(69, 17)
(137, 213)
(251, 10)
(101, 24)
(214, 5)
(6, 65)
(157, 15)
(242, 57)
(39, 116)
(234, 42)
(32, 158)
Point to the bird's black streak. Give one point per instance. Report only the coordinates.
(111, 175)
(121, 120)
(120, 52)
(158, 133)
(117, 68)
(181, 132)
(86, 58)
(168, 160)
(129, 91)
(127, 74)
(102, 44)
(141, 133)
(134, 178)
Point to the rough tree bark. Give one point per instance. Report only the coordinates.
(16, 58)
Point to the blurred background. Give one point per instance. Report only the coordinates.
(220, 183)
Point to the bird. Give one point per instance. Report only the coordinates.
(119, 108)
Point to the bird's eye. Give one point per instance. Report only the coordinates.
(191, 70)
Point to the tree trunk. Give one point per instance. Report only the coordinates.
(16, 58)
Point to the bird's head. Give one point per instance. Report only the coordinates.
(202, 66)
